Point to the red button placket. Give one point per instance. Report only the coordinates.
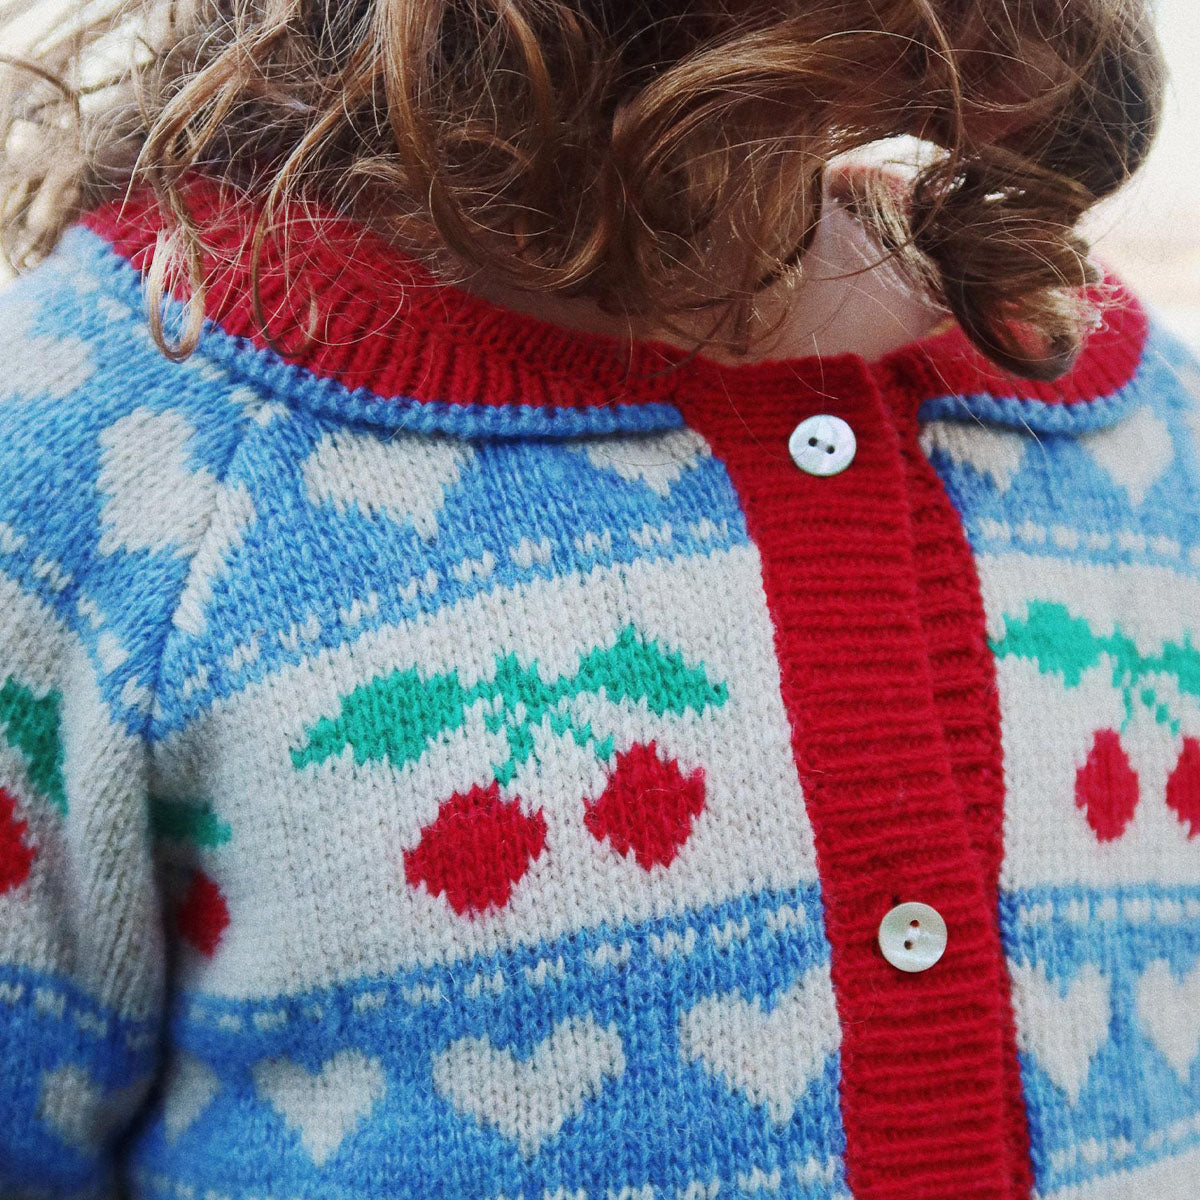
(860, 588)
(963, 671)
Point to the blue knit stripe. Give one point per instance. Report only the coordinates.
(1110, 944)
(50, 1029)
(653, 1124)
(1124, 495)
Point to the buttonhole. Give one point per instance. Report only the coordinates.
(812, 441)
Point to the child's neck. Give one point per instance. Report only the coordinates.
(844, 303)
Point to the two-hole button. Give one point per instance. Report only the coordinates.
(823, 445)
(913, 937)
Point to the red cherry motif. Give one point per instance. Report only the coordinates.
(1106, 787)
(202, 915)
(648, 807)
(16, 855)
(1183, 788)
(476, 850)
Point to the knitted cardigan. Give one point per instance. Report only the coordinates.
(447, 757)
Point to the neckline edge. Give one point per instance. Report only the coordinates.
(392, 332)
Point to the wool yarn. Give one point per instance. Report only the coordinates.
(453, 758)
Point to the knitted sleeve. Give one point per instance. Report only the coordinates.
(108, 455)
(80, 945)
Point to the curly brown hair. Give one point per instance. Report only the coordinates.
(657, 158)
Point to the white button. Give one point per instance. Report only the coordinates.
(912, 937)
(823, 445)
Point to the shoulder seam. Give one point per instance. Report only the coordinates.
(202, 540)
(119, 281)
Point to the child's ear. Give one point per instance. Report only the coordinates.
(851, 183)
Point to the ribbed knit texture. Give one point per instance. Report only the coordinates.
(458, 758)
(840, 574)
(964, 687)
(385, 324)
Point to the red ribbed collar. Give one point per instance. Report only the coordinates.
(382, 323)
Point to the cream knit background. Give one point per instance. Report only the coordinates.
(1151, 233)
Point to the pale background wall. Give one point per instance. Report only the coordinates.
(1151, 233)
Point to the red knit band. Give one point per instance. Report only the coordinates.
(890, 689)
(378, 320)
